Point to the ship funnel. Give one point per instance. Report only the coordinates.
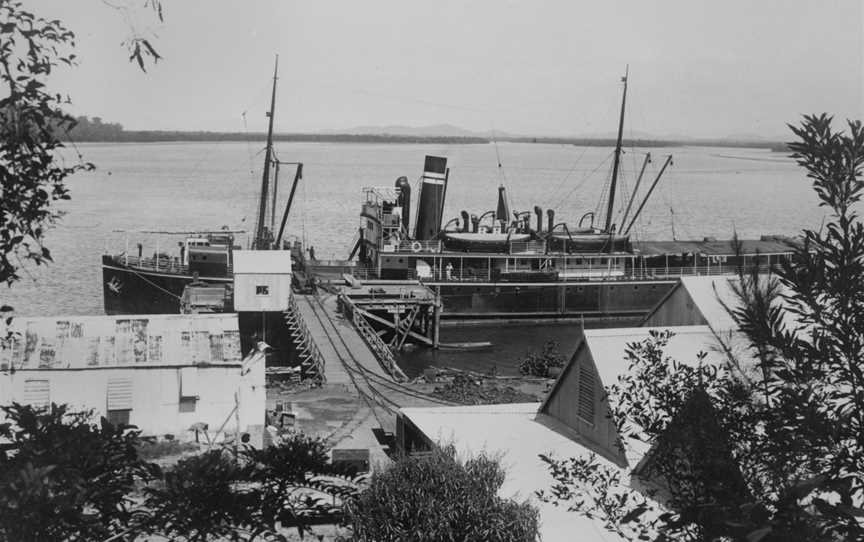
(550, 215)
(466, 224)
(433, 188)
(503, 210)
(475, 223)
(404, 200)
(539, 212)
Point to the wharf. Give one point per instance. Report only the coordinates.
(357, 363)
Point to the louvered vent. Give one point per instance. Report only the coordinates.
(586, 394)
(37, 393)
(119, 393)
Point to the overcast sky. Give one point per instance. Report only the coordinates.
(697, 67)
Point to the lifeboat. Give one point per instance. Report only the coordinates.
(481, 241)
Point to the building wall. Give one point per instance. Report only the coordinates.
(157, 407)
(246, 297)
(598, 430)
(677, 309)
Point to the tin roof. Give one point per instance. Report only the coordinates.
(79, 342)
(262, 262)
(517, 435)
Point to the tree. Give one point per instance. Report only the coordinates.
(66, 478)
(32, 126)
(32, 173)
(771, 445)
(255, 494)
(436, 497)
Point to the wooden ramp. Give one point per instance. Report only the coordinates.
(349, 360)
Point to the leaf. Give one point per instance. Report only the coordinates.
(758, 534)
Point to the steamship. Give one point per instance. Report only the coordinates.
(199, 277)
(509, 265)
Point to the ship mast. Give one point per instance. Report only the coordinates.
(609, 208)
(261, 242)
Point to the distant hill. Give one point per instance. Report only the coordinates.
(96, 130)
(435, 130)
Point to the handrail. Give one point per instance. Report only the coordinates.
(382, 351)
(305, 339)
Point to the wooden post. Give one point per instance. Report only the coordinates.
(436, 311)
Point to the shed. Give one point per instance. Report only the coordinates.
(162, 373)
(517, 435)
(262, 280)
(696, 301)
(703, 301)
(578, 398)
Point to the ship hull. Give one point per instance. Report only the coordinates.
(127, 290)
(588, 300)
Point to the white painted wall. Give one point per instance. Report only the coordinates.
(246, 298)
(156, 394)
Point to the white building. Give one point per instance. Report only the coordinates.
(162, 373)
(573, 421)
(262, 280)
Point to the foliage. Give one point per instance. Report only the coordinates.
(202, 498)
(65, 478)
(32, 174)
(32, 126)
(296, 483)
(540, 363)
(775, 445)
(436, 497)
(254, 494)
(466, 390)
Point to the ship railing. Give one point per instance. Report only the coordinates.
(168, 264)
(528, 247)
(381, 350)
(700, 270)
(419, 247)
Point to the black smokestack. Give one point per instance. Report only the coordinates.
(404, 200)
(466, 224)
(475, 223)
(539, 212)
(550, 215)
(503, 210)
(431, 205)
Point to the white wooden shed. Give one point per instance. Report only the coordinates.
(262, 280)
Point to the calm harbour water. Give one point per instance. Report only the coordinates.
(189, 186)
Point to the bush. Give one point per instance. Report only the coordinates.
(540, 363)
(66, 478)
(468, 391)
(436, 497)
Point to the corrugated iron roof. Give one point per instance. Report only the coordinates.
(262, 262)
(111, 341)
(517, 435)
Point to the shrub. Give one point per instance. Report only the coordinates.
(66, 477)
(540, 363)
(436, 497)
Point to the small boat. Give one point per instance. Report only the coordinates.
(598, 241)
(481, 241)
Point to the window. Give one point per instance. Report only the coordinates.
(189, 389)
(262, 289)
(585, 406)
(37, 393)
(119, 400)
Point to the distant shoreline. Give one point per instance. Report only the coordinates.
(159, 136)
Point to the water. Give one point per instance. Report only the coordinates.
(188, 186)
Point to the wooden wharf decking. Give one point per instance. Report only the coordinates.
(349, 360)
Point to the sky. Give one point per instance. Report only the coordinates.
(698, 68)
